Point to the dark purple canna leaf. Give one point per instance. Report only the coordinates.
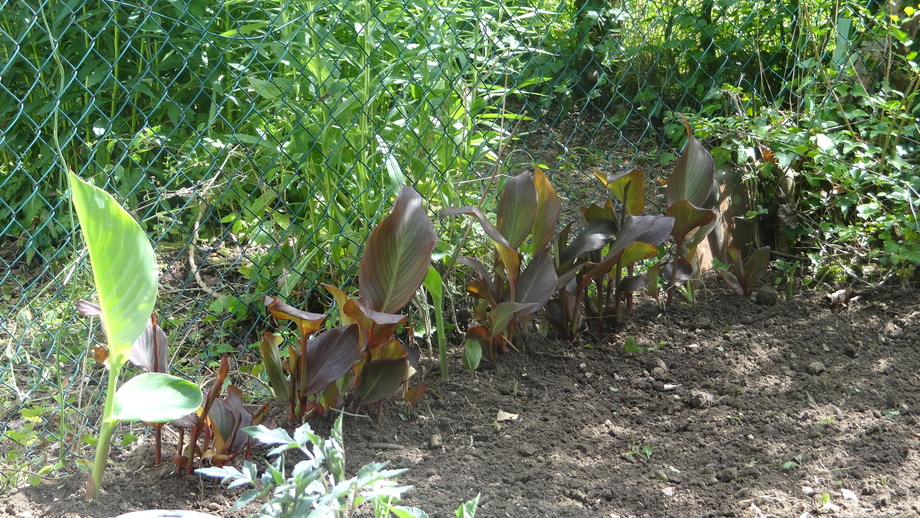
(510, 258)
(329, 356)
(484, 222)
(756, 266)
(598, 234)
(89, 309)
(501, 316)
(223, 424)
(380, 379)
(743, 276)
(599, 211)
(397, 255)
(548, 209)
(678, 272)
(628, 187)
(693, 178)
(538, 281)
(148, 352)
(517, 209)
(482, 287)
(633, 283)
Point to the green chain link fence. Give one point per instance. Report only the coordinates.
(258, 142)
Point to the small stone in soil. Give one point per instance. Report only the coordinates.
(815, 368)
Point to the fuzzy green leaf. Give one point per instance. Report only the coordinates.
(123, 263)
(154, 397)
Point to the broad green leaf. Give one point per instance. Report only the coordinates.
(548, 209)
(123, 263)
(468, 509)
(397, 255)
(154, 397)
(693, 176)
(472, 353)
(628, 187)
(517, 209)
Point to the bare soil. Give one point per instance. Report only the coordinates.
(732, 409)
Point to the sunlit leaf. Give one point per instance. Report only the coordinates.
(397, 255)
(517, 209)
(154, 397)
(308, 323)
(688, 217)
(123, 264)
(548, 209)
(628, 187)
(377, 327)
(693, 176)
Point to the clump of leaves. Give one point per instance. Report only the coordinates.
(690, 194)
(218, 423)
(742, 277)
(362, 360)
(510, 290)
(124, 272)
(319, 485)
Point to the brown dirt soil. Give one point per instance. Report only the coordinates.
(733, 409)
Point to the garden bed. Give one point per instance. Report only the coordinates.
(731, 409)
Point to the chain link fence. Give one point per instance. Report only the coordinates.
(258, 143)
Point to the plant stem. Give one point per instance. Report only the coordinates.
(104, 444)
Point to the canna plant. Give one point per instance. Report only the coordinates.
(148, 353)
(360, 361)
(742, 276)
(124, 272)
(219, 423)
(527, 208)
(690, 192)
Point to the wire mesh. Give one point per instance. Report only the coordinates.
(258, 142)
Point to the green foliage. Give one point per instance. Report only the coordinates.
(126, 284)
(830, 168)
(318, 486)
